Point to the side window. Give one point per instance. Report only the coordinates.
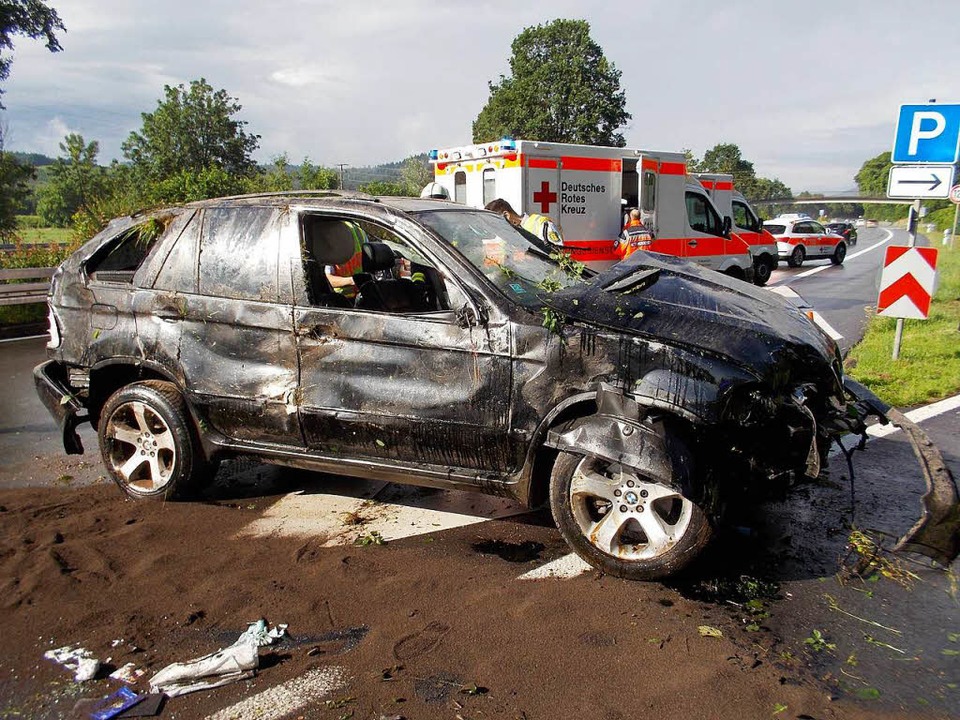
(239, 250)
(179, 271)
(649, 194)
(118, 260)
(701, 216)
(802, 228)
(460, 187)
(743, 218)
(357, 264)
(489, 185)
(817, 228)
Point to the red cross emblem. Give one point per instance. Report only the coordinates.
(544, 197)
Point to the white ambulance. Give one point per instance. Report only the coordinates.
(585, 191)
(746, 223)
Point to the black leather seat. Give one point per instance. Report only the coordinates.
(389, 294)
(327, 242)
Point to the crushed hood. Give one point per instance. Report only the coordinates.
(678, 302)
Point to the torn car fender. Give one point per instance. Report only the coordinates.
(61, 404)
(937, 533)
(617, 440)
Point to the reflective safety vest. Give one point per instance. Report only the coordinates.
(542, 227)
(355, 264)
(635, 236)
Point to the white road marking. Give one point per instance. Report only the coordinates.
(571, 565)
(287, 698)
(28, 337)
(351, 508)
(794, 297)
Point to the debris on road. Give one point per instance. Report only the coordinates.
(129, 674)
(76, 658)
(236, 662)
(113, 705)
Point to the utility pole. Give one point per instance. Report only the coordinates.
(342, 166)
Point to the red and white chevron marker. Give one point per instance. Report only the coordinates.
(908, 282)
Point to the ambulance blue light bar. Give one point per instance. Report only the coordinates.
(434, 154)
(508, 144)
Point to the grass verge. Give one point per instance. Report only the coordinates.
(929, 364)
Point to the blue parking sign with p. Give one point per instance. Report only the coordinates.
(927, 134)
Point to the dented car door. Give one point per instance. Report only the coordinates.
(221, 288)
(428, 388)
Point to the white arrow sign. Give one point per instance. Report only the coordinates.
(920, 181)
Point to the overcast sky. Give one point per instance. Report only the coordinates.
(808, 90)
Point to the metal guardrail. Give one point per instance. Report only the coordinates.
(22, 293)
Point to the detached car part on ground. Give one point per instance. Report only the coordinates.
(639, 402)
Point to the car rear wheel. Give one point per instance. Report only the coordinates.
(797, 256)
(762, 270)
(839, 253)
(623, 522)
(147, 441)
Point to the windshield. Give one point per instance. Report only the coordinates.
(520, 265)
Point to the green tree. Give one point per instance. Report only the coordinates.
(728, 158)
(74, 181)
(32, 18)
(415, 173)
(13, 191)
(381, 187)
(872, 182)
(561, 89)
(192, 131)
(315, 177)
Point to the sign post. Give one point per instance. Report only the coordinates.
(955, 199)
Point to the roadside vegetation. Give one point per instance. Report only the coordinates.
(929, 365)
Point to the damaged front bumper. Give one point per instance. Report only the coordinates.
(937, 533)
(63, 405)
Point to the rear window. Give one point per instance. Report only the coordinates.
(775, 229)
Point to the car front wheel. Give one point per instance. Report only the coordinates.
(762, 270)
(797, 257)
(839, 254)
(625, 523)
(147, 441)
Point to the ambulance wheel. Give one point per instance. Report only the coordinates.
(625, 523)
(797, 256)
(762, 270)
(839, 254)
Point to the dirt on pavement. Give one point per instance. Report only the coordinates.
(432, 626)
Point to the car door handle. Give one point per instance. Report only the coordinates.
(692, 243)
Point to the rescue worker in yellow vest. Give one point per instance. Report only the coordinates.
(341, 276)
(539, 225)
(635, 236)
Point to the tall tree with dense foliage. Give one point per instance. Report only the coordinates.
(561, 89)
(75, 180)
(192, 142)
(31, 18)
(13, 190)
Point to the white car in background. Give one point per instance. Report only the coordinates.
(801, 238)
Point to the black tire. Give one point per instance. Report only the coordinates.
(149, 421)
(839, 253)
(647, 562)
(797, 257)
(762, 270)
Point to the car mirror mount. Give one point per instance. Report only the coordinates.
(468, 316)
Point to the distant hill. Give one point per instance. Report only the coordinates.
(385, 172)
(35, 159)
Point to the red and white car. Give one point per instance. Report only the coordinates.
(800, 238)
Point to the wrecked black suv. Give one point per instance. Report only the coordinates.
(424, 342)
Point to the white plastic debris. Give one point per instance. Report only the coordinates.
(237, 662)
(76, 658)
(129, 674)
